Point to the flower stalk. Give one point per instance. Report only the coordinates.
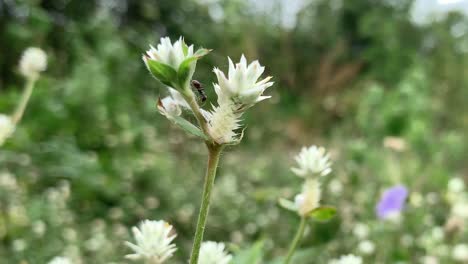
(19, 111)
(296, 240)
(214, 152)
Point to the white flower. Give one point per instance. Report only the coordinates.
(309, 199)
(347, 259)
(60, 260)
(7, 127)
(361, 230)
(460, 252)
(429, 260)
(312, 161)
(456, 185)
(213, 253)
(153, 242)
(460, 209)
(32, 62)
(168, 53)
(366, 247)
(241, 86)
(222, 124)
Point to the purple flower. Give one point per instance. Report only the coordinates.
(392, 202)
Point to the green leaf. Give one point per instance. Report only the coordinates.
(323, 213)
(286, 204)
(163, 72)
(187, 126)
(201, 52)
(186, 70)
(251, 255)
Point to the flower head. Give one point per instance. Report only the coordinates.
(171, 106)
(153, 242)
(223, 123)
(173, 64)
(168, 53)
(241, 86)
(32, 62)
(392, 202)
(347, 259)
(312, 161)
(213, 253)
(60, 260)
(7, 127)
(309, 199)
(460, 253)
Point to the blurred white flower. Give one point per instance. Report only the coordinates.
(168, 53)
(19, 245)
(241, 86)
(456, 185)
(335, 187)
(312, 161)
(361, 230)
(168, 107)
(153, 242)
(7, 127)
(460, 209)
(347, 259)
(366, 247)
(222, 124)
(32, 62)
(213, 253)
(309, 199)
(60, 260)
(395, 143)
(429, 260)
(460, 252)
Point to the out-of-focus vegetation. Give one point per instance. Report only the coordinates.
(92, 156)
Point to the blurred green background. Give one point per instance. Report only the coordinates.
(386, 94)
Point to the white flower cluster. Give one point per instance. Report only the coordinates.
(153, 242)
(213, 253)
(33, 61)
(347, 259)
(312, 162)
(168, 53)
(7, 127)
(236, 93)
(60, 260)
(174, 64)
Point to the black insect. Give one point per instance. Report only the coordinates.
(201, 91)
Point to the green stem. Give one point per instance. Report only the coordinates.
(18, 114)
(214, 152)
(192, 102)
(295, 242)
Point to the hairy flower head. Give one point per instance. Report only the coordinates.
(223, 123)
(153, 242)
(312, 161)
(309, 199)
(32, 62)
(213, 253)
(241, 86)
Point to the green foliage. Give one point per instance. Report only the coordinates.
(92, 156)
